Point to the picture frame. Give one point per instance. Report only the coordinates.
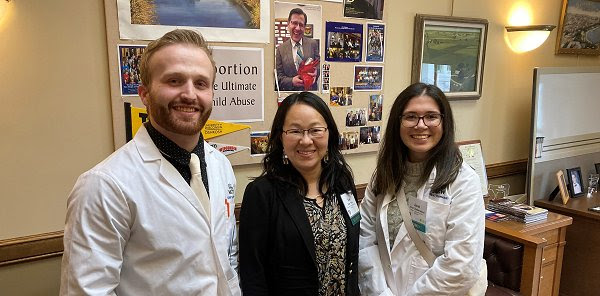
(577, 23)
(137, 22)
(472, 154)
(562, 186)
(129, 69)
(375, 42)
(575, 183)
(450, 53)
(343, 42)
(368, 78)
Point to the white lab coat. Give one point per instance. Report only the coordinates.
(135, 227)
(455, 229)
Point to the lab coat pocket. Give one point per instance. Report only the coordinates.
(435, 237)
(418, 267)
(371, 279)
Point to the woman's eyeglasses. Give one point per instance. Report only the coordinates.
(313, 132)
(430, 120)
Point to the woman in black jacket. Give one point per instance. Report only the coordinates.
(299, 222)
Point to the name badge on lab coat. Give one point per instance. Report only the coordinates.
(418, 213)
(351, 207)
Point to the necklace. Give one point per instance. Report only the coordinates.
(318, 199)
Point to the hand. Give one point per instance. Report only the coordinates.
(297, 81)
(313, 74)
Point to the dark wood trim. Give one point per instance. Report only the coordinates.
(32, 247)
(45, 245)
(509, 168)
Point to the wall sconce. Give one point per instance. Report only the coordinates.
(526, 38)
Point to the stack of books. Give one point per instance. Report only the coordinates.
(518, 211)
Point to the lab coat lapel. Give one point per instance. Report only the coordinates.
(149, 152)
(294, 206)
(383, 243)
(382, 214)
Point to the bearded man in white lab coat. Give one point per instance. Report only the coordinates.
(134, 224)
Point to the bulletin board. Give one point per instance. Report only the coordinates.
(350, 88)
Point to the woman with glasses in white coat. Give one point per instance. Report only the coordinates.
(420, 163)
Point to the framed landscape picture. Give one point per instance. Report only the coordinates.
(579, 27)
(449, 52)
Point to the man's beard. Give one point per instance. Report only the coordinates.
(164, 118)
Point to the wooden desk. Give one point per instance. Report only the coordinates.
(581, 268)
(543, 244)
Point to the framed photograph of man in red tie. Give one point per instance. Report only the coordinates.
(297, 59)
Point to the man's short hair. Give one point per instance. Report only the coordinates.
(178, 36)
(298, 11)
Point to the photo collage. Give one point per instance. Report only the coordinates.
(353, 43)
(310, 46)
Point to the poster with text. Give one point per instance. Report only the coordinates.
(364, 9)
(344, 42)
(297, 46)
(238, 87)
(129, 68)
(217, 20)
(135, 117)
(375, 42)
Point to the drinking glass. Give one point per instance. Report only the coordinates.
(592, 184)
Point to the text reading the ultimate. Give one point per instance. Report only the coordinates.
(228, 85)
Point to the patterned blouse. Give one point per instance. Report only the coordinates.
(414, 170)
(329, 230)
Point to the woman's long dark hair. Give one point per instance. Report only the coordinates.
(393, 154)
(336, 175)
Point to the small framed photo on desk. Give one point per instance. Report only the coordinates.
(575, 181)
(562, 186)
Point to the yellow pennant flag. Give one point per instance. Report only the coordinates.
(134, 118)
(212, 128)
(215, 128)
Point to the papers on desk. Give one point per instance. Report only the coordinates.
(518, 211)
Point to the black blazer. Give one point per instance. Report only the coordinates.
(276, 244)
